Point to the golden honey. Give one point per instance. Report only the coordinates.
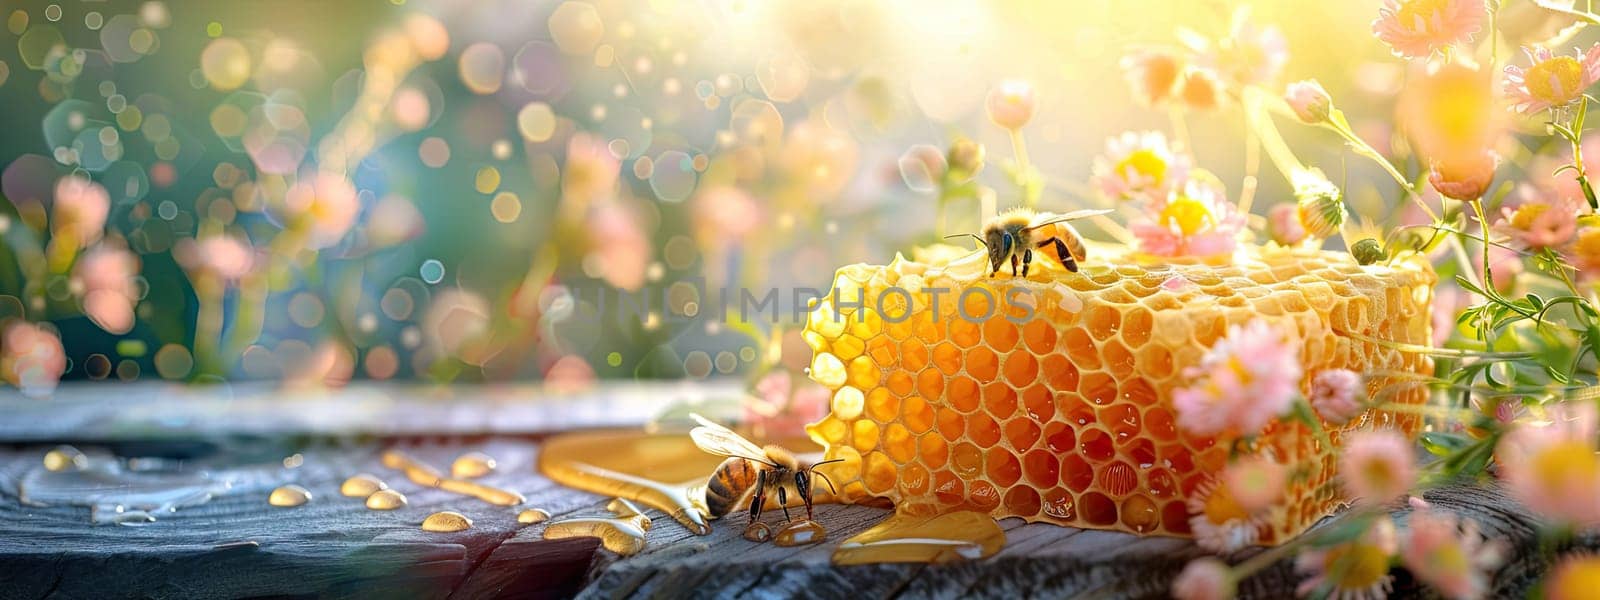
(533, 516)
(289, 495)
(361, 485)
(665, 472)
(800, 532)
(386, 500)
(1065, 415)
(422, 474)
(446, 521)
(472, 465)
(948, 537)
(65, 458)
(623, 534)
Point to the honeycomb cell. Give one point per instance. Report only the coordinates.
(1065, 415)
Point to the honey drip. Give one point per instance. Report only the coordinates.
(800, 533)
(446, 521)
(362, 485)
(386, 500)
(533, 516)
(422, 474)
(65, 458)
(472, 465)
(636, 466)
(962, 535)
(289, 495)
(623, 534)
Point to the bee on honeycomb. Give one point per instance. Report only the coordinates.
(1049, 397)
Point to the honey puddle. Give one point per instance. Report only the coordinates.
(622, 534)
(661, 471)
(964, 535)
(422, 474)
(135, 491)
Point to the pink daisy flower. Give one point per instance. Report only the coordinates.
(78, 211)
(1243, 382)
(1420, 28)
(1152, 74)
(1256, 482)
(31, 358)
(1584, 253)
(1449, 554)
(1551, 81)
(1337, 395)
(1541, 223)
(1252, 54)
(1353, 570)
(1199, 220)
(1204, 578)
(1011, 104)
(1377, 466)
(224, 256)
(1219, 522)
(105, 276)
(1139, 165)
(1309, 101)
(1552, 467)
(1283, 224)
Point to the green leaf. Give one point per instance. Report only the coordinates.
(1440, 443)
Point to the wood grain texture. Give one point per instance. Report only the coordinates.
(238, 546)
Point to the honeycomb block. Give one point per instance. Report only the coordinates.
(941, 402)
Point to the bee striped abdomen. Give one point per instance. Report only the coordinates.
(728, 485)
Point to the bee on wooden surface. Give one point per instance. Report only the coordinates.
(751, 471)
(1015, 233)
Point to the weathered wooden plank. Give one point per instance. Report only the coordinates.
(237, 546)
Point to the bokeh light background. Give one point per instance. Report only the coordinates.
(435, 189)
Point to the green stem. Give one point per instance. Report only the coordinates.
(1019, 148)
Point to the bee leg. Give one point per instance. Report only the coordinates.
(1014, 265)
(1027, 259)
(1062, 253)
(758, 500)
(783, 499)
(802, 485)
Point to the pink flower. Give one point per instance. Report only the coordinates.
(779, 410)
(78, 212)
(725, 214)
(1338, 395)
(1256, 482)
(1353, 570)
(1197, 221)
(1551, 466)
(1139, 165)
(1584, 253)
(1551, 81)
(1309, 101)
(569, 374)
(1420, 28)
(106, 275)
(1204, 578)
(1377, 466)
(620, 247)
(222, 256)
(1010, 104)
(31, 358)
(1251, 54)
(1199, 88)
(1219, 522)
(1537, 224)
(1283, 224)
(922, 168)
(325, 206)
(1244, 381)
(1449, 554)
(1465, 177)
(1152, 73)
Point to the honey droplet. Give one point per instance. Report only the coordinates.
(622, 536)
(472, 465)
(362, 485)
(757, 532)
(446, 522)
(533, 516)
(65, 458)
(289, 495)
(626, 510)
(386, 500)
(421, 473)
(800, 533)
(963, 535)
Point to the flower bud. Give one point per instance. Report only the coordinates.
(1310, 102)
(1321, 204)
(965, 160)
(1011, 104)
(1368, 251)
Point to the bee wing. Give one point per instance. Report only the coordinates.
(1073, 216)
(722, 441)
